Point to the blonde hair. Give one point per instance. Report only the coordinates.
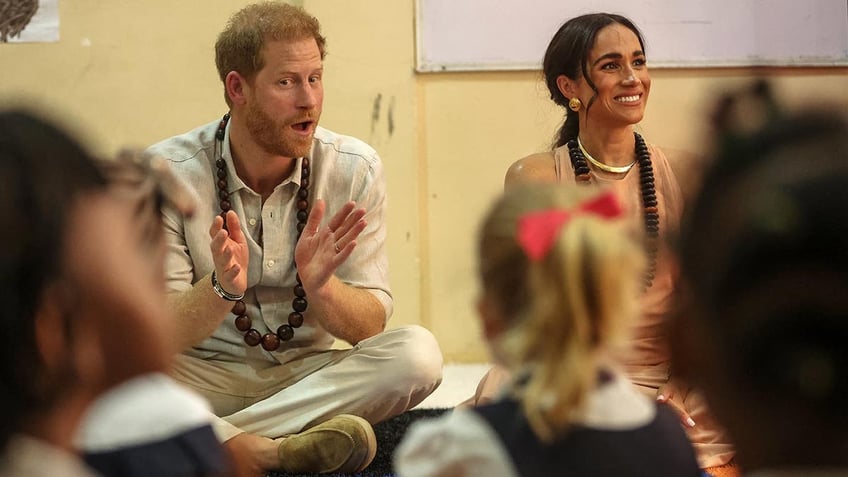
(565, 310)
(239, 46)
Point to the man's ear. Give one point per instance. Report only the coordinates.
(235, 85)
(566, 86)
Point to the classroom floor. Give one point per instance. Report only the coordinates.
(459, 381)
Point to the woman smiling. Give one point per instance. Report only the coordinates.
(596, 68)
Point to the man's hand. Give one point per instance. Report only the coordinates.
(319, 252)
(230, 253)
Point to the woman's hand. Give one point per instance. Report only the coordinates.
(673, 394)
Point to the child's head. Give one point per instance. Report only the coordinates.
(561, 271)
(43, 175)
(764, 255)
(81, 271)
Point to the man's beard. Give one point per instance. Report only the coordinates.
(275, 138)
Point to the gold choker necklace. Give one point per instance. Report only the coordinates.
(600, 165)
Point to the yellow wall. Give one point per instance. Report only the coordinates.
(132, 73)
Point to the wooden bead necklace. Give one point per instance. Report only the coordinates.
(648, 189)
(269, 341)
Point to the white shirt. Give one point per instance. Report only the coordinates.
(30, 457)
(143, 410)
(342, 169)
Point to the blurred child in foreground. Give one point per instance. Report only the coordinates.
(764, 317)
(81, 270)
(561, 271)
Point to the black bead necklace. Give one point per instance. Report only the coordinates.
(269, 341)
(648, 189)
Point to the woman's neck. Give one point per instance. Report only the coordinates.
(611, 147)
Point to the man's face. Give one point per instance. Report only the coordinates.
(285, 99)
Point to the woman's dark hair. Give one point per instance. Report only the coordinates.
(42, 173)
(764, 253)
(567, 54)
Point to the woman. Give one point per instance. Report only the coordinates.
(560, 271)
(596, 68)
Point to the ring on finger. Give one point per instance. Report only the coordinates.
(336, 246)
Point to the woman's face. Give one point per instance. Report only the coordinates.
(618, 68)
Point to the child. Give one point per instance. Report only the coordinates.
(85, 315)
(765, 264)
(561, 273)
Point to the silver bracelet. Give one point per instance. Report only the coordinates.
(223, 293)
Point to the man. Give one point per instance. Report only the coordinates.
(261, 304)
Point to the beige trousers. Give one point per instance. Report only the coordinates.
(378, 378)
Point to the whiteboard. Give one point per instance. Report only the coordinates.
(467, 35)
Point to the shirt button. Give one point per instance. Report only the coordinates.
(252, 221)
(271, 263)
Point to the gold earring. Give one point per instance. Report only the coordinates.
(574, 104)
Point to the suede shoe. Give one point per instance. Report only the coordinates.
(345, 444)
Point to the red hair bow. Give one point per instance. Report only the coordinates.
(537, 231)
